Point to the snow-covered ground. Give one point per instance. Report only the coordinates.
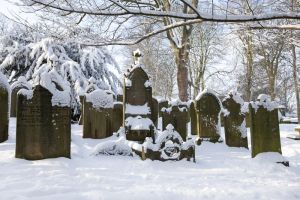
(219, 173)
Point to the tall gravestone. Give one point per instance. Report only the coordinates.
(21, 83)
(43, 123)
(138, 103)
(98, 112)
(177, 115)
(4, 102)
(208, 110)
(234, 121)
(265, 135)
(193, 118)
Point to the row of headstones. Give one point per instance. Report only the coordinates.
(43, 130)
(203, 117)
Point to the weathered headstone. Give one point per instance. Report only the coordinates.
(208, 110)
(117, 116)
(21, 83)
(177, 115)
(44, 121)
(265, 136)
(234, 121)
(4, 102)
(138, 104)
(193, 118)
(98, 112)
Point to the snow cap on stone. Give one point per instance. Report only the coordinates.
(100, 98)
(4, 82)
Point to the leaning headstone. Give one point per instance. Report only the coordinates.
(98, 112)
(264, 127)
(44, 119)
(234, 121)
(117, 116)
(193, 118)
(208, 108)
(137, 103)
(21, 83)
(177, 115)
(4, 102)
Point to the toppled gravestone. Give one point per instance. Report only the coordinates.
(208, 108)
(97, 114)
(234, 121)
(4, 102)
(21, 83)
(44, 119)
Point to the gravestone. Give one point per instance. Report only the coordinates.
(138, 103)
(177, 115)
(98, 112)
(43, 123)
(154, 111)
(234, 121)
(193, 118)
(265, 136)
(21, 83)
(117, 117)
(4, 102)
(208, 110)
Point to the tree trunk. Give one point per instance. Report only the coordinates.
(295, 77)
(249, 73)
(182, 74)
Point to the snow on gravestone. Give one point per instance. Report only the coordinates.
(44, 119)
(137, 104)
(208, 108)
(4, 94)
(234, 121)
(97, 112)
(265, 136)
(177, 115)
(21, 83)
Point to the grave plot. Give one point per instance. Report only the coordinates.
(97, 114)
(234, 121)
(208, 108)
(44, 119)
(4, 102)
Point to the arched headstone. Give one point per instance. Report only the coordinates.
(21, 83)
(234, 121)
(98, 112)
(265, 135)
(208, 110)
(4, 102)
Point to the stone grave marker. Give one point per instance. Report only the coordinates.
(98, 112)
(21, 83)
(43, 122)
(4, 102)
(193, 118)
(265, 135)
(208, 108)
(234, 121)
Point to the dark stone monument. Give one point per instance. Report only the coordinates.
(234, 121)
(117, 116)
(208, 110)
(193, 118)
(265, 136)
(21, 83)
(138, 104)
(43, 129)
(97, 114)
(154, 111)
(4, 94)
(177, 115)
